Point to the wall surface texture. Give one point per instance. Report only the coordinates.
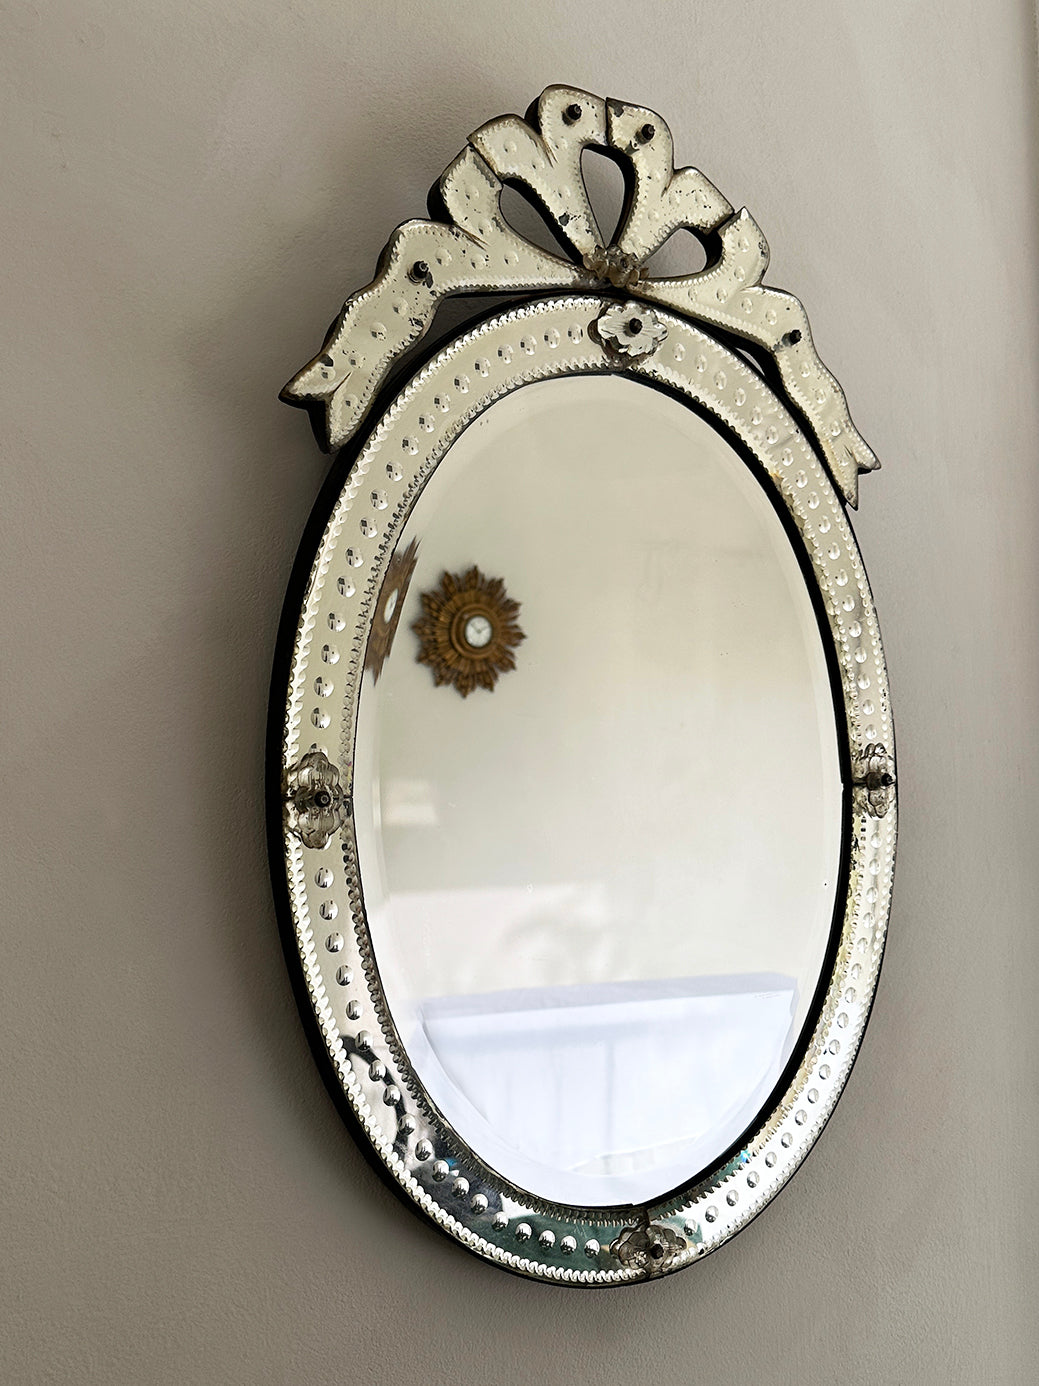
(189, 191)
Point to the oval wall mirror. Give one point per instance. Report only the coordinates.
(581, 760)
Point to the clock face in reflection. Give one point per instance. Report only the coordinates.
(468, 630)
(478, 631)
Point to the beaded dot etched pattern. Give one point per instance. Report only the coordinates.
(445, 1178)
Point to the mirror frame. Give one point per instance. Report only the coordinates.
(328, 615)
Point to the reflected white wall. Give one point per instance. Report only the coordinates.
(609, 813)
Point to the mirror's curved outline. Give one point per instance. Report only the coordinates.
(369, 1074)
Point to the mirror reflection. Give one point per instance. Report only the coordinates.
(600, 877)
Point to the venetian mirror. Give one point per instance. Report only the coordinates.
(581, 759)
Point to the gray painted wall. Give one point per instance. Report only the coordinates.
(190, 190)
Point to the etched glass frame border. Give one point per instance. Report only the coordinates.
(322, 896)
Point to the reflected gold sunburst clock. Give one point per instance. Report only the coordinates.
(468, 630)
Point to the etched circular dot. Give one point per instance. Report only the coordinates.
(753, 1179)
(500, 1221)
(461, 1188)
(391, 1096)
(568, 1245)
(786, 1140)
(479, 1204)
(770, 1159)
(329, 909)
(320, 718)
(330, 654)
(721, 380)
(755, 416)
(801, 1117)
(423, 1150)
(440, 1170)
(344, 976)
(678, 351)
(732, 1198)
(353, 1010)
(334, 943)
(591, 1247)
(323, 878)
(740, 396)
(711, 1215)
(700, 363)
(524, 1232)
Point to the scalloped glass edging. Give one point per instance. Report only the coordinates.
(421, 1153)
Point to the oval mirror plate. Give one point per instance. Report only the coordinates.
(580, 864)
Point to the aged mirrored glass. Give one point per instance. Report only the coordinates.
(582, 774)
